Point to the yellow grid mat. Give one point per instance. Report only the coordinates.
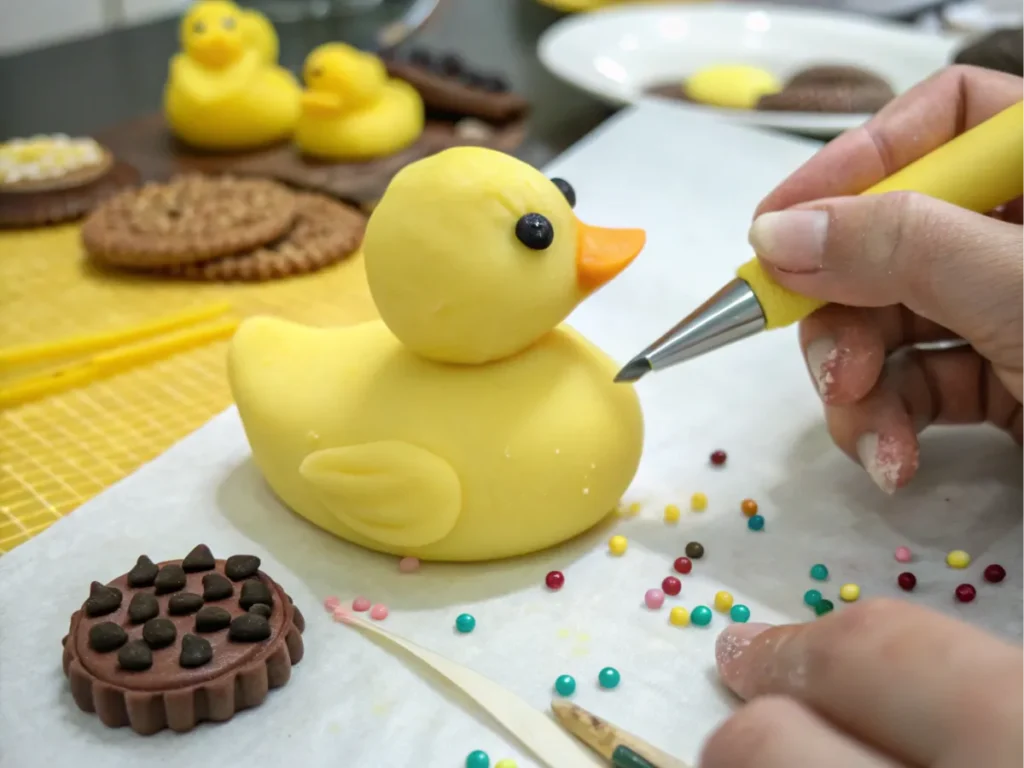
(58, 452)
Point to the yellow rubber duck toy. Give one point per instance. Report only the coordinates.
(468, 424)
(222, 94)
(258, 31)
(352, 110)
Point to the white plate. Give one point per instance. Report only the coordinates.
(617, 54)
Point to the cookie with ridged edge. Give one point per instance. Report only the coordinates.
(62, 203)
(190, 219)
(182, 688)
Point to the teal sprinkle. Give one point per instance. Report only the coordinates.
(478, 759)
(609, 677)
(739, 613)
(755, 523)
(812, 597)
(565, 685)
(465, 623)
(701, 616)
(819, 572)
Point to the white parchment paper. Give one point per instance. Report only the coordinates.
(692, 184)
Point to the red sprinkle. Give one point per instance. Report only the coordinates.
(555, 580)
(907, 581)
(671, 585)
(683, 565)
(965, 593)
(995, 573)
(718, 458)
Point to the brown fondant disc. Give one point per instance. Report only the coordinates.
(55, 206)
(830, 88)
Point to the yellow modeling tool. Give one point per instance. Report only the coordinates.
(979, 170)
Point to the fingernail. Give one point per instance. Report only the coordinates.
(880, 458)
(730, 647)
(793, 241)
(822, 359)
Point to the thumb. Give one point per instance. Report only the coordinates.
(956, 268)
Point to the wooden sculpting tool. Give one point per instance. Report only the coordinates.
(978, 170)
(623, 749)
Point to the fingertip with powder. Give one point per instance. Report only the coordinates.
(822, 360)
(886, 460)
(730, 648)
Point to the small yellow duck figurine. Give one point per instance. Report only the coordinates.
(257, 30)
(222, 92)
(352, 110)
(468, 424)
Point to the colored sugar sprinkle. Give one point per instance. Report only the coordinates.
(819, 572)
(508, 762)
(723, 601)
(698, 502)
(360, 604)
(748, 507)
(903, 555)
(465, 623)
(849, 592)
(907, 581)
(617, 545)
(756, 523)
(379, 612)
(823, 606)
(994, 573)
(409, 564)
(694, 550)
(565, 685)
(718, 458)
(654, 599)
(671, 586)
(965, 593)
(478, 759)
(701, 615)
(679, 616)
(671, 513)
(555, 580)
(683, 565)
(634, 509)
(331, 603)
(608, 678)
(958, 559)
(812, 597)
(739, 613)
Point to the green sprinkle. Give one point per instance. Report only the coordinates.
(609, 677)
(819, 572)
(812, 597)
(565, 685)
(478, 759)
(465, 623)
(701, 616)
(823, 606)
(739, 613)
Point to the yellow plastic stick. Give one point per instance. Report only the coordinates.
(79, 345)
(108, 363)
(979, 170)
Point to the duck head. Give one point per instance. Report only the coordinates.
(473, 255)
(211, 33)
(340, 78)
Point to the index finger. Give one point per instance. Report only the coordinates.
(927, 116)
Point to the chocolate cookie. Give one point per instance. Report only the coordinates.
(449, 85)
(1002, 50)
(180, 667)
(325, 232)
(190, 219)
(830, 88)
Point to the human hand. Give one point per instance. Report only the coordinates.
(902, 269)
(881, 684)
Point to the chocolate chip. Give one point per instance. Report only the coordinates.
(420, 57)
(199, 559)
(450, 65)
(216, 587)
(159, 633)
(143, 574)
(102, 600)
(261, 609)
(142, 608)
(240, 567)
(494, 84)
(136, 656)
(195, 651)
(107, 636)
(249, 628)
(212, 619)
(184, 603)
(170, 579)
(255, 591)
(694, 550)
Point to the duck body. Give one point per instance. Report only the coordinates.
(413, 457)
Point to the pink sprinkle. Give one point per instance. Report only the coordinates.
(360, 604)
(340, 614)
(903, 555)
(379, 612)
(654, 598)
(409, 564)
(331, 603)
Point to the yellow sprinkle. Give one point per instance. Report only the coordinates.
(634, 509)
(849, 592)
(723, 601)
(617, 545)
(671, 513)
(698, 502)
(506, 763)
(679, 616)
(958, 559)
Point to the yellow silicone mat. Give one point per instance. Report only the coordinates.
(57, 452)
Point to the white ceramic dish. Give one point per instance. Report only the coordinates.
(618, 54)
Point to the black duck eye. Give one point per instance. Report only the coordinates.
(566, 189)
(199, 27)
(535, 231)
(228, 23)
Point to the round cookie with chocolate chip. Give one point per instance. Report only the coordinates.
(169, 645)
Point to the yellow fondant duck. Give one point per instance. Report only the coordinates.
(468, 424)
(257, 30)
(222, 92)
(352, 110)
